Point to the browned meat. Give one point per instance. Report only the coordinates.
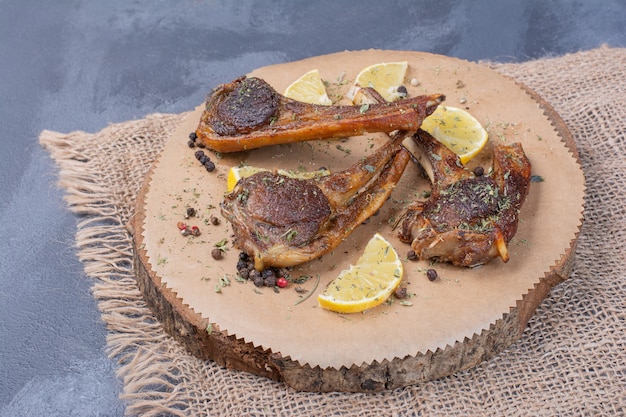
(282, 221)
(248, 113)
(468, 219)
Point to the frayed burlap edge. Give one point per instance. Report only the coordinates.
(136, 340)
(569, 362)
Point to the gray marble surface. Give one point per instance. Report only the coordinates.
(80, 65)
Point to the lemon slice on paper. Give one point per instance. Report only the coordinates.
(366, 284)
(384, 77)
(458, 130)
(309, 88)
(239, 172)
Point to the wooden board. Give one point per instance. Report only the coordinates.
(465, 317)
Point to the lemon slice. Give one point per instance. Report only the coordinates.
(309, 88)
(366, 284)
(458, 130)
(384, 77)
(239, 172)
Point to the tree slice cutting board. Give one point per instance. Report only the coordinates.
(464, 317)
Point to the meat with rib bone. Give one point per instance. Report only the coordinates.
(468, 219)
(282, 221)
(248, 113)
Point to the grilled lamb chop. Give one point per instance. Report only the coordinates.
(469, 219)
(282, 221)
(248, 113)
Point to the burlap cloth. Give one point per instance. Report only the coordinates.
(571, 359)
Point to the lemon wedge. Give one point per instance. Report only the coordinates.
(458, 130)
(366, 284)
(309, 88)
(239, 172)
(384, 77)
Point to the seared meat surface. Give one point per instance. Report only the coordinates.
(282, 221)
(250, 104)
(248, 113)
(469, 219)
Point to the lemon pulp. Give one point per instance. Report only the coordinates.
(309, 88)
(366, 284)
(384, 77)
(458, 130)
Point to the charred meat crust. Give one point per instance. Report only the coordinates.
(282, 208)
(463, 203)
(241, 106)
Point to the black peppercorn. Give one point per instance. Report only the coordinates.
(199, 154)
(256, 278)
(268, 273)
(193, 136)
(216, 253)
(400, 293)
(411, 255)
(210, 166)
(431, 274)
(479, 171)
(270, 281)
